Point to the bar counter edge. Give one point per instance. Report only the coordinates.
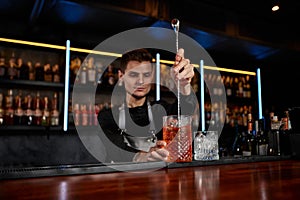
(64, 170)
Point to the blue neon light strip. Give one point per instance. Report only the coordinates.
(259, 94)
(67, 76)
(202, 111)
(157, 77)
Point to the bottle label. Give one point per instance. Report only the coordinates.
(46, 113)
(92, 75)
(55, 113)
(38, 113)
(31, 76)
(56, 78)
(246, 153)
(12, 72)
(262, 149)
(19, 112)
(28, 112)
(229, 92)
(284, 121)
(84, 119)
(83, 78)
(54, 121)
(250, 126)
(48, 77)
(77, 118)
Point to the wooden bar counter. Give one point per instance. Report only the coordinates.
(279, 179)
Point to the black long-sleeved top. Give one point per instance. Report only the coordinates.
(137, 125)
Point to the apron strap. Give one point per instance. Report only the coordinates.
(138, 143)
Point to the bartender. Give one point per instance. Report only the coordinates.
(133, 130)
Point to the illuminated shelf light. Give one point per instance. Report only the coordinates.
(114, 54)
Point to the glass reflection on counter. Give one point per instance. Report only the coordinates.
(207, 181)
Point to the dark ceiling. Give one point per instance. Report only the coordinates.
(246, 32)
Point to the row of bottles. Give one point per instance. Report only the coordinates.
(16, 109)
(231, 86)
(251, 140)
(262, 137)
(92, 72)
(84, 72)
(218, 114)
(17, 69)
(86, 114)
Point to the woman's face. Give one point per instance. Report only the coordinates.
(137, 78)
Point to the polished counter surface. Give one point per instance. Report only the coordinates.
(277, 179)
(16, 172)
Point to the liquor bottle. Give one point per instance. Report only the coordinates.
(239, 116)
(83, 73)
(54, 116)
(251, 135)
(70, 112)
(47, 73)
(274, 139)
(74, 70)
(39, 72)
(37, 112)
(256, 132)
(219, 85)
(76, 114)
(236, 86)
(248, 87)
(91, 71)
(228, 86)
(31, 71)
(24, 69)
(244, 87)
(237, 144)
(46, 113)
(28, 110)
(3, 68)
(18, 112)
(246, 144)
(244, 113)
(285, 121)
(289, 126)
(240, 87)
(228, 117)
(262, 139)
(99, 68)
(9, 110)
(284, 134)
(55, 73)
(91, 114)
(96, 112)
(12, 72)
(1, 110)
(84, 115)
(214, 83)
(249, 123)
(110, 76)
(271, 119)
